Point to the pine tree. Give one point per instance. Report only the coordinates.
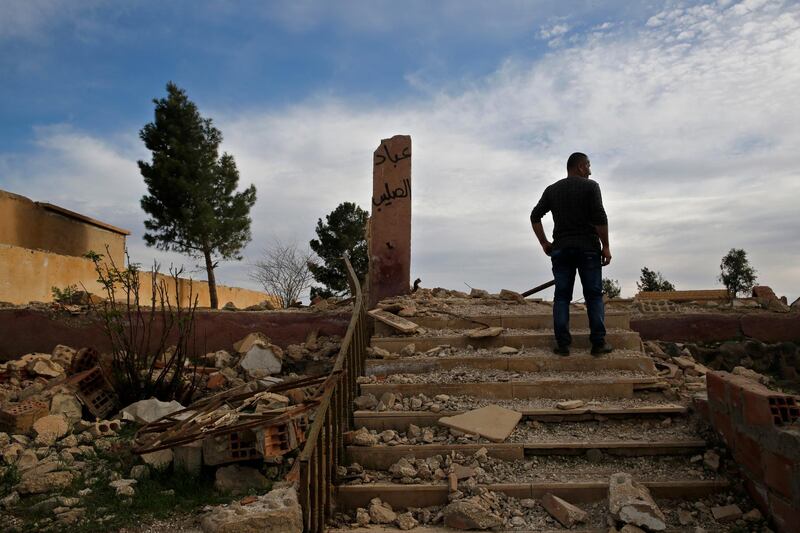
(192, 200)
(343, 232)
(611, 288)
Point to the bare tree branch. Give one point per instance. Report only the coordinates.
(283, 271)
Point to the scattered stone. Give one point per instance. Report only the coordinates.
(406, 521)
(685, 518)
(479, 293)
(570, 404)
(630, 502)
(139, 472)
(751, 375)
(595, 455)
(150, 410)
(408, 350)
(563, 511)
(726, 513)
(711, 460)
(278, 511)
(381, 512)
(365, 402)
(49, 429)
(158, 460)
(470, 513)
(236, 479)
(508, 350)
(48, 482)
(124, 487)
(67, 405)
(363, 437)
(403, 468)
(362, 517)
(383, 353)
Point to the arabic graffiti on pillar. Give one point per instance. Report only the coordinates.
(381, 159)
(387, 197)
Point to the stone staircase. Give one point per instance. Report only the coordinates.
(626, 424)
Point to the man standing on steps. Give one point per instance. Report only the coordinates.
(580, 242)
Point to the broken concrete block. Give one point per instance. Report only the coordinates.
(570, 404)
(508, 350)
(46, 367)
(482, 333)
(365, 402)
(252, 339)
(406, 521)
(278, 511)
(237, 479)
(492, 422)
(158, 460)
(189, 457)
(381, 512)
(470, 513)
(262, 360)
(64, 403)
(399, 323)
(48, 482)
(105, 428)
(711, 460)
(630, 502)
(479, 293)
(563, 511)
(513, 296)
(363, 437)
(50, 428)
(726, 513)
(124, 487)
(150, 410)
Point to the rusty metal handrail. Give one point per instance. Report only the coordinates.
(324, 449)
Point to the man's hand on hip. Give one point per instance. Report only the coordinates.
(605, 256)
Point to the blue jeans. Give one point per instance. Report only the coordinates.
(565, 262)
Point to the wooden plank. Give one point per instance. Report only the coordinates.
(405, 496)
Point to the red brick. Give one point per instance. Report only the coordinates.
(216, 381)
(756, 410)
(747, 453)
(779, 473)
(785, 516)
(715, 385)
(722, 423)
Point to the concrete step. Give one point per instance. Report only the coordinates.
(401, 496)
(542, 361)
(536, 321)
(607, 387)
(382, 457)
(400, 420)
(623, 340)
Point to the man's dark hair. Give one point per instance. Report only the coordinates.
(576, 159)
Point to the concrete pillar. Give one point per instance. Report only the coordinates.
(390, 223)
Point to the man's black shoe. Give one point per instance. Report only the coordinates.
(561, 350)
(600, 349)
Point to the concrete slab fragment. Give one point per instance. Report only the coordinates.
(397, 322)
(492, 422)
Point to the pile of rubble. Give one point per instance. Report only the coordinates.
(63, 435)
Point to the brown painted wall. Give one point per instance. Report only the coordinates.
(25, 331)
(26, 224)
(28, 276)
(710, 327)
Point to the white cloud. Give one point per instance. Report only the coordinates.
(691, 124)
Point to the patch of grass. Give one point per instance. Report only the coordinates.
(9, 476)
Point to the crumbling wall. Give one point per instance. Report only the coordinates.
(761, 429)
(718, 327)
(24, 331)
(28, 224)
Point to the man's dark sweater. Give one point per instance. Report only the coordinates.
(577, 208)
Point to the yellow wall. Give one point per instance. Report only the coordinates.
(26, 224)
(28, 275)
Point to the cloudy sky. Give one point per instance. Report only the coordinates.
(688, 110)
